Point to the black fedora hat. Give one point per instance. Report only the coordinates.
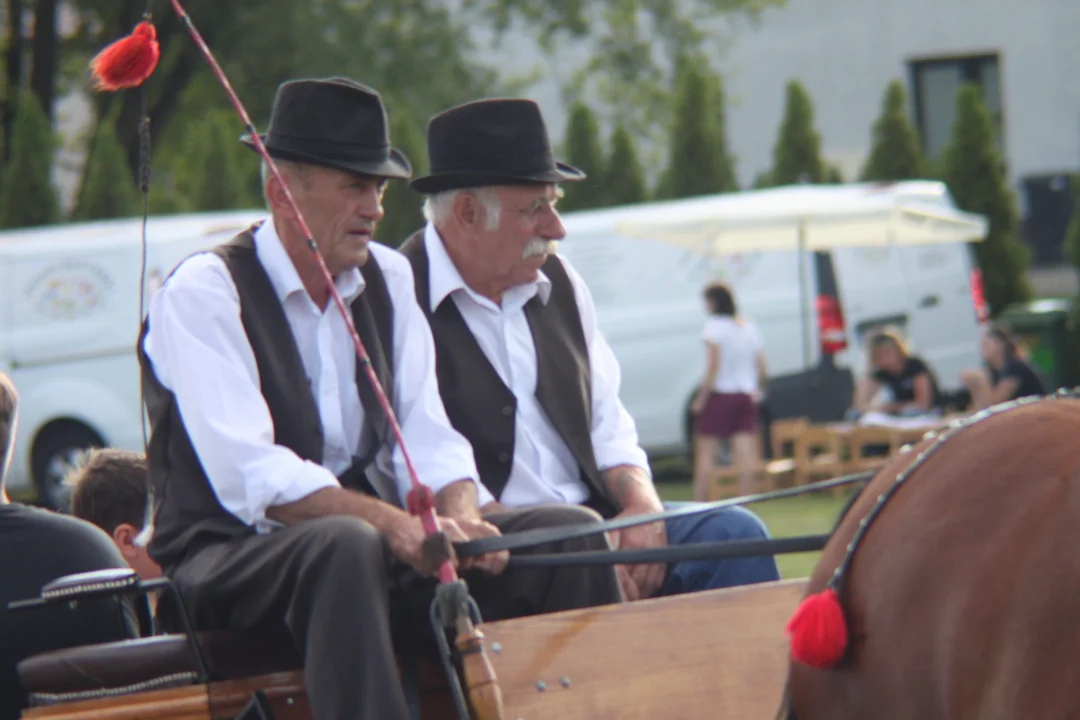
(491, 142)
(333, 122)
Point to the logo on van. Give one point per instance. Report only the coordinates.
(735, 266)
(69, 290)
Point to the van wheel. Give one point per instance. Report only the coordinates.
(55, 452)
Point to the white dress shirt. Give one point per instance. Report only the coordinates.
(201, 353)
(543, 469)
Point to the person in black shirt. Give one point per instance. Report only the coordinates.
(36, 547)
(1006, 376)
(913, 389)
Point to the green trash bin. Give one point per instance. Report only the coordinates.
(1045, 327)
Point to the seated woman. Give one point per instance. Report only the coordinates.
(911, 385)
(1007, 375)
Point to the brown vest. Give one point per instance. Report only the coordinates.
(186, 511)
(477, 401)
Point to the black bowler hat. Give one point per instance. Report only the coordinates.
(491, 142)
(333, 122)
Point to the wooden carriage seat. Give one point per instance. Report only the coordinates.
(151, 663)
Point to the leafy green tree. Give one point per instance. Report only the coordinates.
(896, 154)
(27, 195)
(583, 150)
(108, 189)
(634, 47)
(797, 154)
(625, 184)
(833, 174)
(975, 175)
(403, 207)
(699, 163)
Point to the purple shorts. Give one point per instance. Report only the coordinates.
(726, 414)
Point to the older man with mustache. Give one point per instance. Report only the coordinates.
(523, 370)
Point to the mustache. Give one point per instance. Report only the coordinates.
(539, 247)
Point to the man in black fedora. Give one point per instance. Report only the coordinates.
(277, 484)
(523, 370)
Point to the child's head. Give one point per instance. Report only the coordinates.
(111, 489)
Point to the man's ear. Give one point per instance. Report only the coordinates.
(124, 537)
(275, 192)
(466, 210)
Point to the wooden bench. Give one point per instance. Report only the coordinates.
(715, 654)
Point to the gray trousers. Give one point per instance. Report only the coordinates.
(329, 583)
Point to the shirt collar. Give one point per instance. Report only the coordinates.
(282, 273)
(444, 279)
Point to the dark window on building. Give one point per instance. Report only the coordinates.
(936, 82)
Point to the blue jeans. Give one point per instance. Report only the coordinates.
(733, 523)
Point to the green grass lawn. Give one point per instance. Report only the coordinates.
(786, 517)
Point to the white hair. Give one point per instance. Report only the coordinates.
(437, 207)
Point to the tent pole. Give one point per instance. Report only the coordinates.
(804, 314)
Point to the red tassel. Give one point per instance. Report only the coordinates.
(128, 62)
(818, 631)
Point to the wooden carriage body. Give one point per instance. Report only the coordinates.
(713, 654)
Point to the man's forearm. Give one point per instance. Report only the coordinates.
(458, 500)
(339, 501)
(631, 487)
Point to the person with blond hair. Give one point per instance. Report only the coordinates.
(910, 385)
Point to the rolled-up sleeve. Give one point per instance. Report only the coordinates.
(614, 434)
(439, 453)
(200, 353)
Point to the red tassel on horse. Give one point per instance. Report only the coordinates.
(128, 62)
(818, 630)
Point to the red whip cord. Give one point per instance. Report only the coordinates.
(129, 65)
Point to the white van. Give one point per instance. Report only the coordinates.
(69, 321)
(646, 266)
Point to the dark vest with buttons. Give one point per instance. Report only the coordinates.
(187, 514)
(480, 405)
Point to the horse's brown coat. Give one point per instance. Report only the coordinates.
(963, 600)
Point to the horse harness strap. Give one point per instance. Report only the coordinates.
(530, 538)
(836, 580)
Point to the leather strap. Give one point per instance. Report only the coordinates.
(541, 536)
(677, 553)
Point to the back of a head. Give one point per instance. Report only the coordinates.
(110, 487)
(38, 546)
(9, 405)
(721, 300)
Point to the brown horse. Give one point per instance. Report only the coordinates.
(962, 593)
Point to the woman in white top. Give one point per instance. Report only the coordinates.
(726, 405)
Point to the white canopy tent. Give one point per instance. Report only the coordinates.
(809, 217)
(805, 218)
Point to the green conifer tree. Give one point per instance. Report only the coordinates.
(215, 174)
(975, 175)
(695, 166)
(403, 207)
(108, 190)
(725, 162)
(583, 150)
(895, 154)
(797, 154)
(27, 195)
(625, 184)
